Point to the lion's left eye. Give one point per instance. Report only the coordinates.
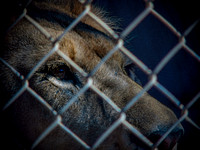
(130, 70)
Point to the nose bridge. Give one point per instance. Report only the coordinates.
(147, 113)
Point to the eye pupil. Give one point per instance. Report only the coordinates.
(60, 73)
(61, 70)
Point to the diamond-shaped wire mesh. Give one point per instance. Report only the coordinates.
(152, 74)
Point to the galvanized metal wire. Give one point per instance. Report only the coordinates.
(149, 9)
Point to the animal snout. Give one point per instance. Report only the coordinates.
(170, 142)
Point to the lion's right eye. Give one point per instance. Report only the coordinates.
(60, 76)
(63, 73)
(60, 72)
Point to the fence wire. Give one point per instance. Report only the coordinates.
(153, 82)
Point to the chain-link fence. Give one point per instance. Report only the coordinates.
(119, 37)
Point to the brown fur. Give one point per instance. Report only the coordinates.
(90, 115)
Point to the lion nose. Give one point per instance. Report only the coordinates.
(169, 143)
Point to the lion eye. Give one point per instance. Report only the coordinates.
(63, 72)
(62, 76)
(130, 71)
(60, 72)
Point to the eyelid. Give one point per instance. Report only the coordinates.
(61, 84)
(58, 83)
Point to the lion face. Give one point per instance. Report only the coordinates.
(72, 93)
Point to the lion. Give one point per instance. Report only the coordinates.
(35, 102)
